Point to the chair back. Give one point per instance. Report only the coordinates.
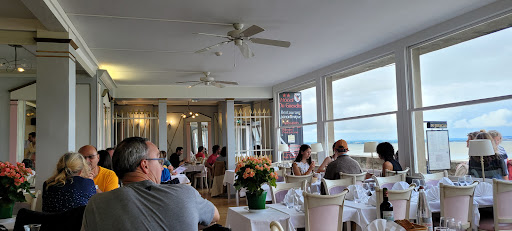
(400, 199)
(293, 178)
(219, 168)
(502, 192)
(276, 226)
(433, 178)
(280, 174)
(281, 189)
(358, 177)
(402, 173)
(457, 202)
(324, 212)
(32, 200)
(332, 187)
(387, 181)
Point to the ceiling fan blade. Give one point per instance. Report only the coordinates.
(227, 82)
(218, 85)
(212, 46)
(277, 43)
(215, 35)
(193, 85)
(187, 82)
(252, 30)
(246, 51)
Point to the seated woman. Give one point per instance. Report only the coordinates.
(494, 166)
(68, 188)
(303, 164)
(328, 160)
(105, 159)
(387, 152)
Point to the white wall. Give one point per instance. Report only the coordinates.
(83, 115)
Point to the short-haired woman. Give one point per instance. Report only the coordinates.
(68, 188)
(303, 165)
(387, 152)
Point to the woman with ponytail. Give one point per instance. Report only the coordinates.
(70, 186)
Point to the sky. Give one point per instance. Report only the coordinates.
(474, 69)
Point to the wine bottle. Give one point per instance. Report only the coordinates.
(423, 213)
(386, 208)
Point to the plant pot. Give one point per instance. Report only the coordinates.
(6, 210)
(256, 201)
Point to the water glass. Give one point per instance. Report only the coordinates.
(366, 187)
(372, 186)
(440, 229)
(469, 179)
(452, 226)
(417, 183)
(32, 227)
(462, 181)
(443, 221)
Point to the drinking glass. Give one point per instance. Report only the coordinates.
(443, 221)
(32, 227)
(469, 179)
(440, 229)
(462, 181)
(422, 183)
(452, 226)
(372, 186)
(417, 183)
(366, 187)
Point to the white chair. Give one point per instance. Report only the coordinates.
(358, 177)
(332, 187)
(402, 173)
(324, 212)
(203, 177)
(433, 178)
(387, 181)
(293, 178)
(457, 202)
(281, 189)
(276, 226)
(281, 174)
(502, 220)
(400, 199)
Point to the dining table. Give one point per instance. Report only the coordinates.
(8, 222)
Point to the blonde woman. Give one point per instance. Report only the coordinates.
(69, 187)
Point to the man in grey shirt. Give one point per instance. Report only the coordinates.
(143, 203)
(343, 162)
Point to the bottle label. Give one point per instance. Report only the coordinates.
(388, 215)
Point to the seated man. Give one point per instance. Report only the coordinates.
(143, 203)
(105, 179)
(343, 162)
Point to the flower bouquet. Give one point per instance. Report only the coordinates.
(13, 181)
(251, 173)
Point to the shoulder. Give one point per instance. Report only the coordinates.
(106, 172)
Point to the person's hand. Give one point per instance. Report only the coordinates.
(313, 164)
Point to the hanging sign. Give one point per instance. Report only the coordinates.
(290, 113)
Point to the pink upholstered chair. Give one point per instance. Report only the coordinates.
(400, 199)
(358, 178)
(332, 187)
(457, 202)
(281, 189)
(434, 178)
(502, 193)
(324, 212)
(400, 173)
(387, 181)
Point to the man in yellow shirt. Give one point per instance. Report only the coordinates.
(104, 179)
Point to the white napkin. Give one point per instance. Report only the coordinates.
(446, 180)
(360, 191)
(483, 189)
(373, 200)
(402, 185)
(381, 224)
(433, 194)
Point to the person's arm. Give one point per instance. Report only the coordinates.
(324, 164)
(386, 166)
(311, 168)
(295, 169)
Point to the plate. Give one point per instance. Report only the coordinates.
(255, 210)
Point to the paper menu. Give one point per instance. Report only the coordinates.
(179, 170)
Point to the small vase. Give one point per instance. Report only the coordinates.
(6, 210)
(256, 201)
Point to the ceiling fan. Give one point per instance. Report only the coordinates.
(207, 80)
(240, 38)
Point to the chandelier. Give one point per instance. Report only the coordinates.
(14, 65)
(189, 113)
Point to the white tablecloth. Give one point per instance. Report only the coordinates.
(194, 168)
(181, 177)
(8, 223)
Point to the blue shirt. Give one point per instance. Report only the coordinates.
(59, 198)
(166, 175)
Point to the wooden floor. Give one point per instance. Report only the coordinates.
(221, 202)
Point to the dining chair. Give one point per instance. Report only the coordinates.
(324, 212)
(402, 173)
(293, 178)
(68, 220)
(400, 199)
(433, 178)
(332, 187)
(387, 181)
(219, 169)
(279, 191)
(202, 177)
(457, 202)
(358, 177)
(276, 226)
(502, 220)
(280, 174)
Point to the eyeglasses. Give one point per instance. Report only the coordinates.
(160, 160)
(90, 157)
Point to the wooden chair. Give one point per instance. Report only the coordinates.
(324, 212)
(433, 178)
(203, 177)
(402, 173)
(219, 168)
(358, 177)
(502, 220)
(281, 189)
(457, 202)
(400, 199)
(276, 226)
(332, 187)
(387, 181)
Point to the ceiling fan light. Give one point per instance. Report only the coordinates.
(197, 114)
(190, 113)
(193, 117)
(189, 86)
(20, 69)
(184, 116)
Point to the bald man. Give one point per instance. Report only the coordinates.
(104, 179)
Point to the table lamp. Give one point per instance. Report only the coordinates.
(370, 147)
(481, 148)
(316, 148)
(282, 148)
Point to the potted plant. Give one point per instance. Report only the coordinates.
(13, 181)
(251, 173)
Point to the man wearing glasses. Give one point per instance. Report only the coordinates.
(104, 179)
(143, 203)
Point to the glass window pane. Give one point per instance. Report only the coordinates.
(309, 105)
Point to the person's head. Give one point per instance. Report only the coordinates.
(200, 149)
(304, 153)
(257, 149)
(28, 163)
(32, 137)
(90, 154)
(105, 159)
(163, 154)
(496, 136)
(340, 147)
(179, 150)
(224, 152)
(216, 149)
(136, 156)
(110, 151)
(69, 165)
(485, 135)
(386, 151)
(472, 136)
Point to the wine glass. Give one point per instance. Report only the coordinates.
(462, 181)
(451, 224)
(443, 221)
(469, 179)
(372, 186)
(366, 188)
(417, 183)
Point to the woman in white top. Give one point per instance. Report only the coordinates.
(303, 164)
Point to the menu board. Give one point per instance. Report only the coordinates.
(438, 149)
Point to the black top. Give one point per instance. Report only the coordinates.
(396, 165)
(175, 160)
(71, 195)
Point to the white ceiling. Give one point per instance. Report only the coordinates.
(322, 32)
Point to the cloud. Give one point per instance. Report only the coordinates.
(499, 118)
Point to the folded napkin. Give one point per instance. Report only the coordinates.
(483, 189)
(293, 193)
(383, 225)
(446, 180)
(373, 200)
(433, 194)
(402, 185)
(358, 190)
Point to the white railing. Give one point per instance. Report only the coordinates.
(253, 128)
(135, 123)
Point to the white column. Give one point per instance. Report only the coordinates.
(228, 131)
(162, 124)
(56, 93)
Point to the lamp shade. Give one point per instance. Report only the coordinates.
(481, 147)
(370, 146)
(317, 147)
(283, 147)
